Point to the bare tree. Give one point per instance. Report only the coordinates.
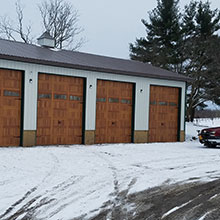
(60, 19)
(15, 30)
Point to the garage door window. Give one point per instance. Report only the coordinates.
(126, 101)
(113, 100)
(11, 93)
(153, 102)
(59, 96)
(75, 98)
(44, 96)
(101, 99)
(162, 103)
(173, 104)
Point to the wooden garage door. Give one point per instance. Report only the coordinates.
(164, 114)
(60, 110)
(10, 107)
(114, 112)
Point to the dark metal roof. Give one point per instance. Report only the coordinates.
(18, 51)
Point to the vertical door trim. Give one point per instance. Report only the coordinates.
(22, 107)
(84, 110)
(179, 114)
(133, 111)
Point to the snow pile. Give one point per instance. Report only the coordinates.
(207, 122)
(67, 182)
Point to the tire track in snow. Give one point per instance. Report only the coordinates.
(117, 204)
(71, 196)
(70, 199)
(198, 201)
(28, 210)
(32, 205)
(29, 198)
(13, 206)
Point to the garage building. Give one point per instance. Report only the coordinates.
(60, 97)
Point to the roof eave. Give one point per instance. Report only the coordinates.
(90, 68)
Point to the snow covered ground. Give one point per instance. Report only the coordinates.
(71, 181)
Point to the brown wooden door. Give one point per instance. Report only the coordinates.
(10, 107)
(60, 110)
(114, 112)
(164, 114)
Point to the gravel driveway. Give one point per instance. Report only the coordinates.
(192, 201)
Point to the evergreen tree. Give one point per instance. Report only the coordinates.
(162, 43)
(199, 26)
(187, 44)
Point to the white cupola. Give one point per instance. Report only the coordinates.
(45, 40)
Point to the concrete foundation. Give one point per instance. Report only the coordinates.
(140, 136)
(29, 138)
(182, 136)
(89, 137)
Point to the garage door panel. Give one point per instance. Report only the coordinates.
(44, 113)
(11, 83)
(64, 109)
(10, 107)
(60, 88)
(45, 131)
(113, 112)
(45, 87)
(163, 123)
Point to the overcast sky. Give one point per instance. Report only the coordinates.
(109, 25)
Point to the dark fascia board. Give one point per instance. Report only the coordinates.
(89, 68)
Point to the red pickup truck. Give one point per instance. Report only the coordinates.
(210, 137)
